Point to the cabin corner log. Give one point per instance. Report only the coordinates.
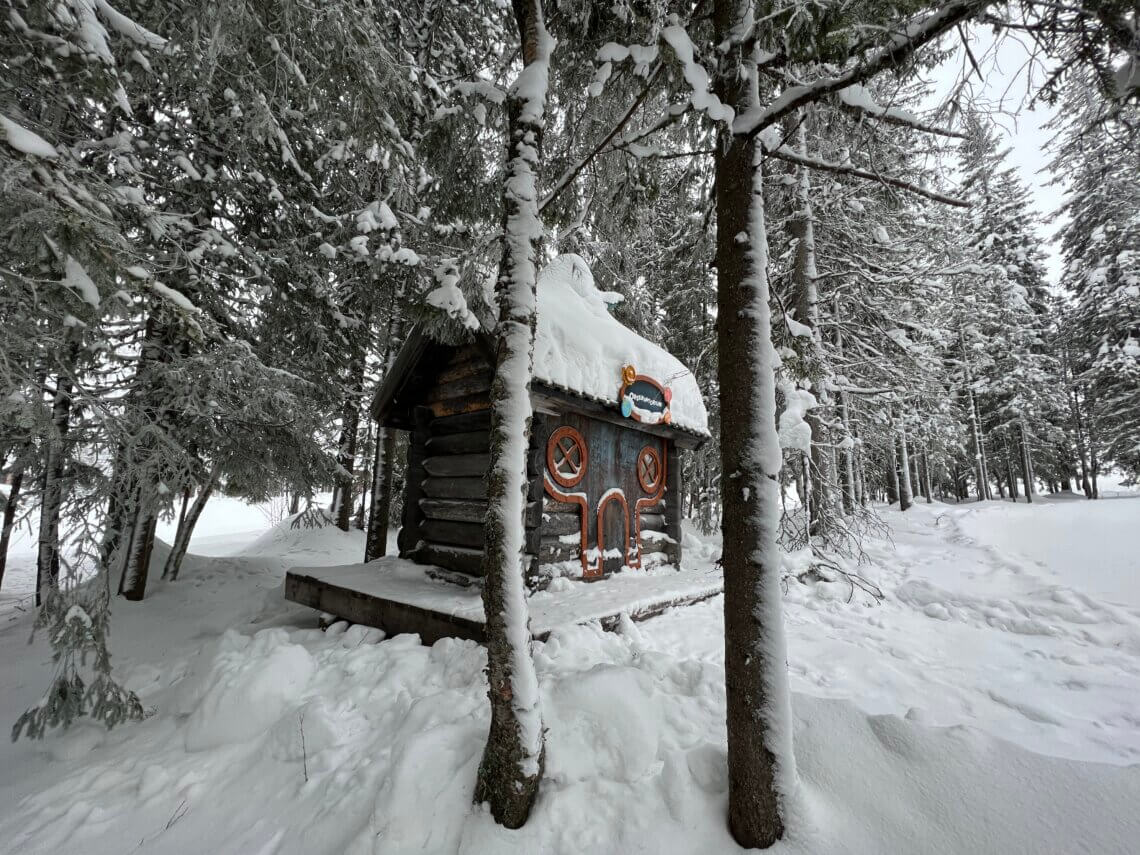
(462, 423)
(457, 465)
(469, 442)
(458, 510)
(452, 533)
(454, 488)
(458, 558)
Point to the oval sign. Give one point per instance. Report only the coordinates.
(644, 399)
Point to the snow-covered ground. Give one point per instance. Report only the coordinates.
(990, 704)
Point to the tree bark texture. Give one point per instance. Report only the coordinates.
(512, 763)
(761, 766)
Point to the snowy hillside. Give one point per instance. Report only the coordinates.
(987, 705)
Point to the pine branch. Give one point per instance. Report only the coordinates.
(786, 154)
(900, 47)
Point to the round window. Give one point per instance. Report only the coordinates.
(566, 456)
(650, 472)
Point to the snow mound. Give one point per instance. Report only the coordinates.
(242, 686)
(581, 347)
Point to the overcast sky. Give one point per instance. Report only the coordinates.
(1010, 78)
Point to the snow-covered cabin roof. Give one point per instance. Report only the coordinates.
(581, 347)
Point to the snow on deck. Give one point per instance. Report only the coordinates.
(638, 593)
(580, 346)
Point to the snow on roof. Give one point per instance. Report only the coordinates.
(581, 347)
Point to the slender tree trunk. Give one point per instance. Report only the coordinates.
(11, 505)
(906, 490)
(1026, 461)
(51, 502)
(804, 276)
(380, 509)
(761, 765)
(186, 527)
(346, 454)
(376, 541)
(1094, 462)
(513, 759)
(136, 567)
(894, 492)
(1009, 472)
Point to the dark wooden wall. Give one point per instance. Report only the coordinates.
(448, 456)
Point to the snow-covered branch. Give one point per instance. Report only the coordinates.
(786, 154)
(900, 47)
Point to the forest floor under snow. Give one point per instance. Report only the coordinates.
(989, 704)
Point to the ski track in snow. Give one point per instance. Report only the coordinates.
(948, 718)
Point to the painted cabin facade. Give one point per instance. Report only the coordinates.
(603, 461)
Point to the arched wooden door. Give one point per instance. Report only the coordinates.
(613, 530)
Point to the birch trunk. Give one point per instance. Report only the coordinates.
(186, 528)
(761, 765)
(512, 762)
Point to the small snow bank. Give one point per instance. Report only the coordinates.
(580, 346)
(304, 544)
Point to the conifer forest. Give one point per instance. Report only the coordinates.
(330, 331)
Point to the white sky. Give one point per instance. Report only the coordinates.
(1010, 78)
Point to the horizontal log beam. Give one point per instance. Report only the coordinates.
(455, 488)
(459, 443)
(457, 510)
(457, 558)
(452, 533)
(461, 423)
(477, 402)
(458, 465)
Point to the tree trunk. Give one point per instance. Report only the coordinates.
(906, 490)
(380, 507)
(804, 276)
(10, 506)
(186, 528)
(1026, 462)
(136, 566)
(51, 501)
(376, 541)
(513, 759)
(346, 456)
(761, 765)
(894, 492)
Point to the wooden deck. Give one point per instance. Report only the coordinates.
(399, 596)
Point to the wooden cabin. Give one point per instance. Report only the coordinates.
(612, 412)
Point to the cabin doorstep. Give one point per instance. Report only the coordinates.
(612, 412)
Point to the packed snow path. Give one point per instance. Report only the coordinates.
(988, 705)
